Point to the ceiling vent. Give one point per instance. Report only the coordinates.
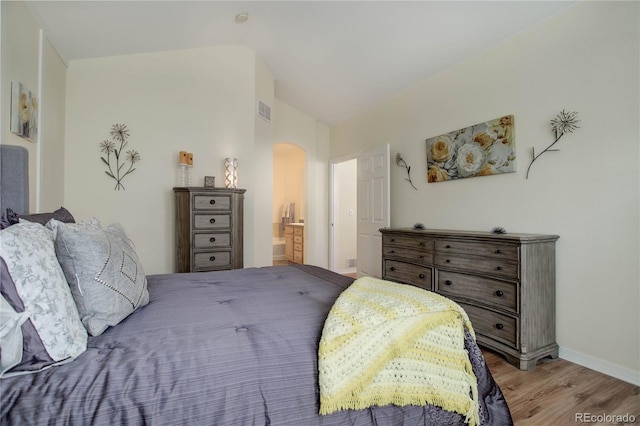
(264, 111)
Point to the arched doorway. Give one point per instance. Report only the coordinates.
(289, 203)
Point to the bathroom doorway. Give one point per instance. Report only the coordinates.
(289, 203)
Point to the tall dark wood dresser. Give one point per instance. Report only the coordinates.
(505, 283)
(209, 235)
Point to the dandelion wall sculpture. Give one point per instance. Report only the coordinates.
(123, 165)
(561, 124)
(400, 162)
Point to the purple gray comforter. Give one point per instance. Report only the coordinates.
(217, 348)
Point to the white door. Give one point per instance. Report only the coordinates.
(373, 209)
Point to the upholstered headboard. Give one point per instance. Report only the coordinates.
(14, 179)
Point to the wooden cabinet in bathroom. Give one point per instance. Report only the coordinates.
(294, 242)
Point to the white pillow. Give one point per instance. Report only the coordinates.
(27, 249)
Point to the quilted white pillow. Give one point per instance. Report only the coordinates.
(27, 249)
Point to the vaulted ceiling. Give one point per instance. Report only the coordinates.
(330, 59)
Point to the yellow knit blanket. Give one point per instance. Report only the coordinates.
(387, 343)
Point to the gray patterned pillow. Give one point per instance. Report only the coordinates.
(105, 275)
(43, 320)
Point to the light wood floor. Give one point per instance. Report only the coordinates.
(555, 391)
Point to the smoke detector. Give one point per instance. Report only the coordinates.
(242, 17)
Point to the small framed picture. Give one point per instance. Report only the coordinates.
(210, 181)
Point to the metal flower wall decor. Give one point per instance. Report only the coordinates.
(561, 124)
(116, 145)
(401, 163)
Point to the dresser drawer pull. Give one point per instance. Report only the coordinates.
(422, 256)
(448, 261)
(499, 293)
(499, 326)
(448, 282)
(393, 240)
(212, 220)
(499, 268)
(212, 201)
(498, 251)
(393, 268)
(212, 258)
(212, 239)
(421, 276)
(392, 251)
(421, 244)
(447, 246)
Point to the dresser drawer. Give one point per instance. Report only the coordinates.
(213, 259)
(297, 256)
(211, 240)
(297, 239)
(407, 273)
(211, 221)
(297, 247)
(497, 250)
(415, 256)
(486, 265)
(409, 242)
(493, 325)
(499, 294)
(297, 230)
(211, 202)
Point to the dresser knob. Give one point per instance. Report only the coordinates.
(212, 220)
(448, 246)
(498, 251)
(392, 251)
(212, 239)
(212, 258)
(393, 268)
(448, 282)
(212, 201)
(499, 293)
(499, 326)
(421, 244)
(421, 276)
(499, 268)
(393, 240)
(422, 256)
(448, 261)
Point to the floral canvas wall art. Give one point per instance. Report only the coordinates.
(480, 150)
(24, 112)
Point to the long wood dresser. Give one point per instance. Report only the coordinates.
(505, 283)
(209, 235)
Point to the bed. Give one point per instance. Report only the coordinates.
(233, 347)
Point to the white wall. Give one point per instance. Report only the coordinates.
(259, 230)
(198, 100)
(584, 59)
(345, 214)
(52, 125)
(23, 60)
(201, 101)
(20, 62)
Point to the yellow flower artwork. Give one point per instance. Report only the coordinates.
(24, 112)
(480, 150)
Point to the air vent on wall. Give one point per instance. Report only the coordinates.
(351, 263)
(264, 111)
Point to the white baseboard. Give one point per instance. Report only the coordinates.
(601, 366)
